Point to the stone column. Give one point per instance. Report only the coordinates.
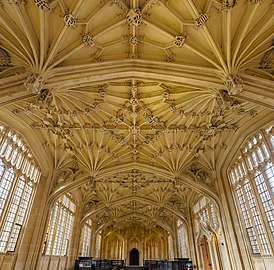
(73, 250)
(31, 242)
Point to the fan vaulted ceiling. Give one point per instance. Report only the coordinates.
(134, 102)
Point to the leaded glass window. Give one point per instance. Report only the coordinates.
(254, 189)
(19, 174)
(60, 227)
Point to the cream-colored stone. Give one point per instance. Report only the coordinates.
(137, 109)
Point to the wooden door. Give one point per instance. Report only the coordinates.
(206, 254)
(134, 257)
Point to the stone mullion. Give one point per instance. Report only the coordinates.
(55, 227)
(66, 222)
(217, 218)
(15, 148)
(212, 252)
(146, 250)
(70, 216)
(120, 249)
(118, 257)
(193, 251)
(249, 153)
(270, 234)
(9, 142)
(265, 150)
(23, 161)
(49, 228)
(81, 233)
(82, 236)
(271, 154)
(93, 242)
(253, 150)
(20, 152)
(4, 136)
(117, 251)
(268, 145)
(89, 242)
(154, 248)
(74, 236)
(84, 228)
(210, 219)
(125, 252)
(123, 249)
(99, 248)
(23, 164)
(178, 241)
(209, 213)
(116, 254)
(268, 186)
(150, 249)
(262, 143)
(175, 240)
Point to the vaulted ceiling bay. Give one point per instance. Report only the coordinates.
(135, 104)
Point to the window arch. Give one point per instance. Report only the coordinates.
(19, 175)
(60, 225)
(205, 211)
(252, 178)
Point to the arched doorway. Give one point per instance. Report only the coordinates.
(134, 257)
(206, 254)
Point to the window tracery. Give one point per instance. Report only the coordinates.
(19, 175)
(206, 215)
(252, 178)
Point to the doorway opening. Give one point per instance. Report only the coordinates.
(134, 257)
(206, 254)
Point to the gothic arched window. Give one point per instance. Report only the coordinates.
(252, 178)
(19, 175)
